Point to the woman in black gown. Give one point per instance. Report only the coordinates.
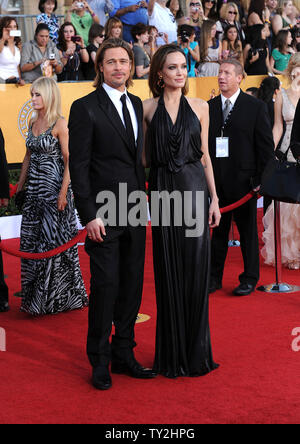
(177, 149)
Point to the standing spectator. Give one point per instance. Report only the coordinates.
(296, 39)
(53, 285)
(258, 13)
(210, 51)
(186, 41)
(256, 52)
(210, 9)
(4, 193)
(96, 38)
(175, 8)
(130, 12)
(101, 9)
(140, 36)
(72, 53)
(243, 121)
(152, 46)
(272, 7)
(282, 53)
(114, 29)
(285, 109)
(82, 17)
(40, 57)
(195, 17)
(47, 16)
(282, 19)
(10, 55)
(229, 15)
(231, 45)
(162, 18)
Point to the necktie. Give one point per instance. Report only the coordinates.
(227, 109)
(128, 122)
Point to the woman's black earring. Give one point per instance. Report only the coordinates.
(160, 82)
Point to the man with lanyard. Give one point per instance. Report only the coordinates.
(241, 144)
(130, 12)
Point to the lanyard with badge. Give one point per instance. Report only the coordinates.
(222, 143)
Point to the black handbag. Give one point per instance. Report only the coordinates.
(281, 180)
(20, 199)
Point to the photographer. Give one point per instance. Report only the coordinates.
(82, 17)
(72, 53)
(40, 57)
(256, 52)
(186, 41)
(10, 55)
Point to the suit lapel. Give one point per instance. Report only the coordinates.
(111, 112)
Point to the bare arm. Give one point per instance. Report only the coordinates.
(278, 120)
(61, 132)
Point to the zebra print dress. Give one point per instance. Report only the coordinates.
(52, 285)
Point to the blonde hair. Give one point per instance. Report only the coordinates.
(225, 8)
(49, 91)
(281, 5)
(293, 63)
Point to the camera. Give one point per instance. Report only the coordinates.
(160, 34)
(52, 56)
(251, 53)
(184, 36)
(75, 39)
(80, 5)
(15, 33)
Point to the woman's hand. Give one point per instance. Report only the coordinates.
(214, 214)
(62, 201)
(96, 230)
(5, 34)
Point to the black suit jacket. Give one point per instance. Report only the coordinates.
(250, 146)
(295, 138)
(100, 154)
(4, 184)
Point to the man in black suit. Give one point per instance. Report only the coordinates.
(4, 193)
(106, 139)
(241, 143)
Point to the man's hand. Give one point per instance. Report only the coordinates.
(96, 230)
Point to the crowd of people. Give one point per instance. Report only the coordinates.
(261, 34)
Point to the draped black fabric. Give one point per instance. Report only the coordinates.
(181, 264)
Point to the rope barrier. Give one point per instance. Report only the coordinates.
(81, 234)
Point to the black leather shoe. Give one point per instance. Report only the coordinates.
(214, 285)
(101, 378)
(133, 369)
(244, 290)
(4, 308)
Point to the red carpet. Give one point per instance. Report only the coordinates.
(45, 375)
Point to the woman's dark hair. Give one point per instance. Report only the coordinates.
(96, 30)
(157, 63)
(257, 6)
(4, 23)
(138, 30)
(188, 30)
(42, 5)
(254, 37)
(213, 15)
(41, 27)
(179, 13)
(112, 44)
(281, 40)
(237, 43)
(268, 88)
(62, 44)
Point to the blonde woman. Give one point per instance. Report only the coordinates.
(229, 15)
(285, 109)
(283, 19)
(52, 285)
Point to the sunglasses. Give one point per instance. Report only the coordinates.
(195, 5)
(102, 36)
(81, 24)
(232, 13)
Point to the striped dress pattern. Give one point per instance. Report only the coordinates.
(54, 285)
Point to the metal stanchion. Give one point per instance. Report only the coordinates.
(279, 286)
(233, 242)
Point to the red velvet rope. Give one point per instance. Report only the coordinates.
(79, 237)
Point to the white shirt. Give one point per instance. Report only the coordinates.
(9, 63)
(232, 99)
(115, 96)
(164, 21)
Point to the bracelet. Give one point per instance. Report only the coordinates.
(93, 14)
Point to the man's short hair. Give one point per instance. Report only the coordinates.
(239, 69)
